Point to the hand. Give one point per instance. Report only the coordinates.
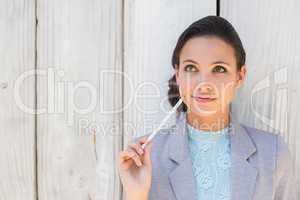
(135, 169)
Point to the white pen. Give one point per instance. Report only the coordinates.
(162, 123)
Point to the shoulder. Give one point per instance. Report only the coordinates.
(270, 144)
(160, 142)
(160, 150)
(273, 152)
(266, 139)
(261, 137)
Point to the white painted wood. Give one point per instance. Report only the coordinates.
(270, 34)
(17, 138)
(151, 32)
(78, 39)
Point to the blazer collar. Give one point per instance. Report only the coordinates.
(243, 174)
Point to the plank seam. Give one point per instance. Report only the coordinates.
(122, 81)
(218, 7)
(35, 103)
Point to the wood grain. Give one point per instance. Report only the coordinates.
(17, 129)
(151, 32)
(77, 40)
(108, 55)
(270, 35)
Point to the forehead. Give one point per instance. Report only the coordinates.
(207, 49)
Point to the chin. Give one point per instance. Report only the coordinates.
(204, 110)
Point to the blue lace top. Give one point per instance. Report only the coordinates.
(210, 153)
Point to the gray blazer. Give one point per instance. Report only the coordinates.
(261, 166)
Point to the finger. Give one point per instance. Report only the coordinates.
(147, 154)
(137, 147)
(134, 155)
(124, 155)
(122, 163)
(143, 141)
(127, 154)
(127, 157)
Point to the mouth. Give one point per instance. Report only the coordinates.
(204, 99)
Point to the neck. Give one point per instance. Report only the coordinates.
(211, 123)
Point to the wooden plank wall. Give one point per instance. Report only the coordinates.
(68, 149)
(269, 100)
(78, 40)
(17, 127)
(151, 32)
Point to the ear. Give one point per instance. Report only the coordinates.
(241, 76)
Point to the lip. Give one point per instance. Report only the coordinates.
(204, 99)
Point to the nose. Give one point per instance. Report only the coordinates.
(204, 84)
(205, 87)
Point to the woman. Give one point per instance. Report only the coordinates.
(208, 154)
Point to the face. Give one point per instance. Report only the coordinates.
(207, 75)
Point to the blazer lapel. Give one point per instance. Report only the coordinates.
(243, 174)
(181, 177)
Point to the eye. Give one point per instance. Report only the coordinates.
(220, 69)
(190, 68)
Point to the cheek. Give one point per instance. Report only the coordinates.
(187, 83)
(186, 91)
(227, 90)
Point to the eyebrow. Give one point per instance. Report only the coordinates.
(216, 62)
